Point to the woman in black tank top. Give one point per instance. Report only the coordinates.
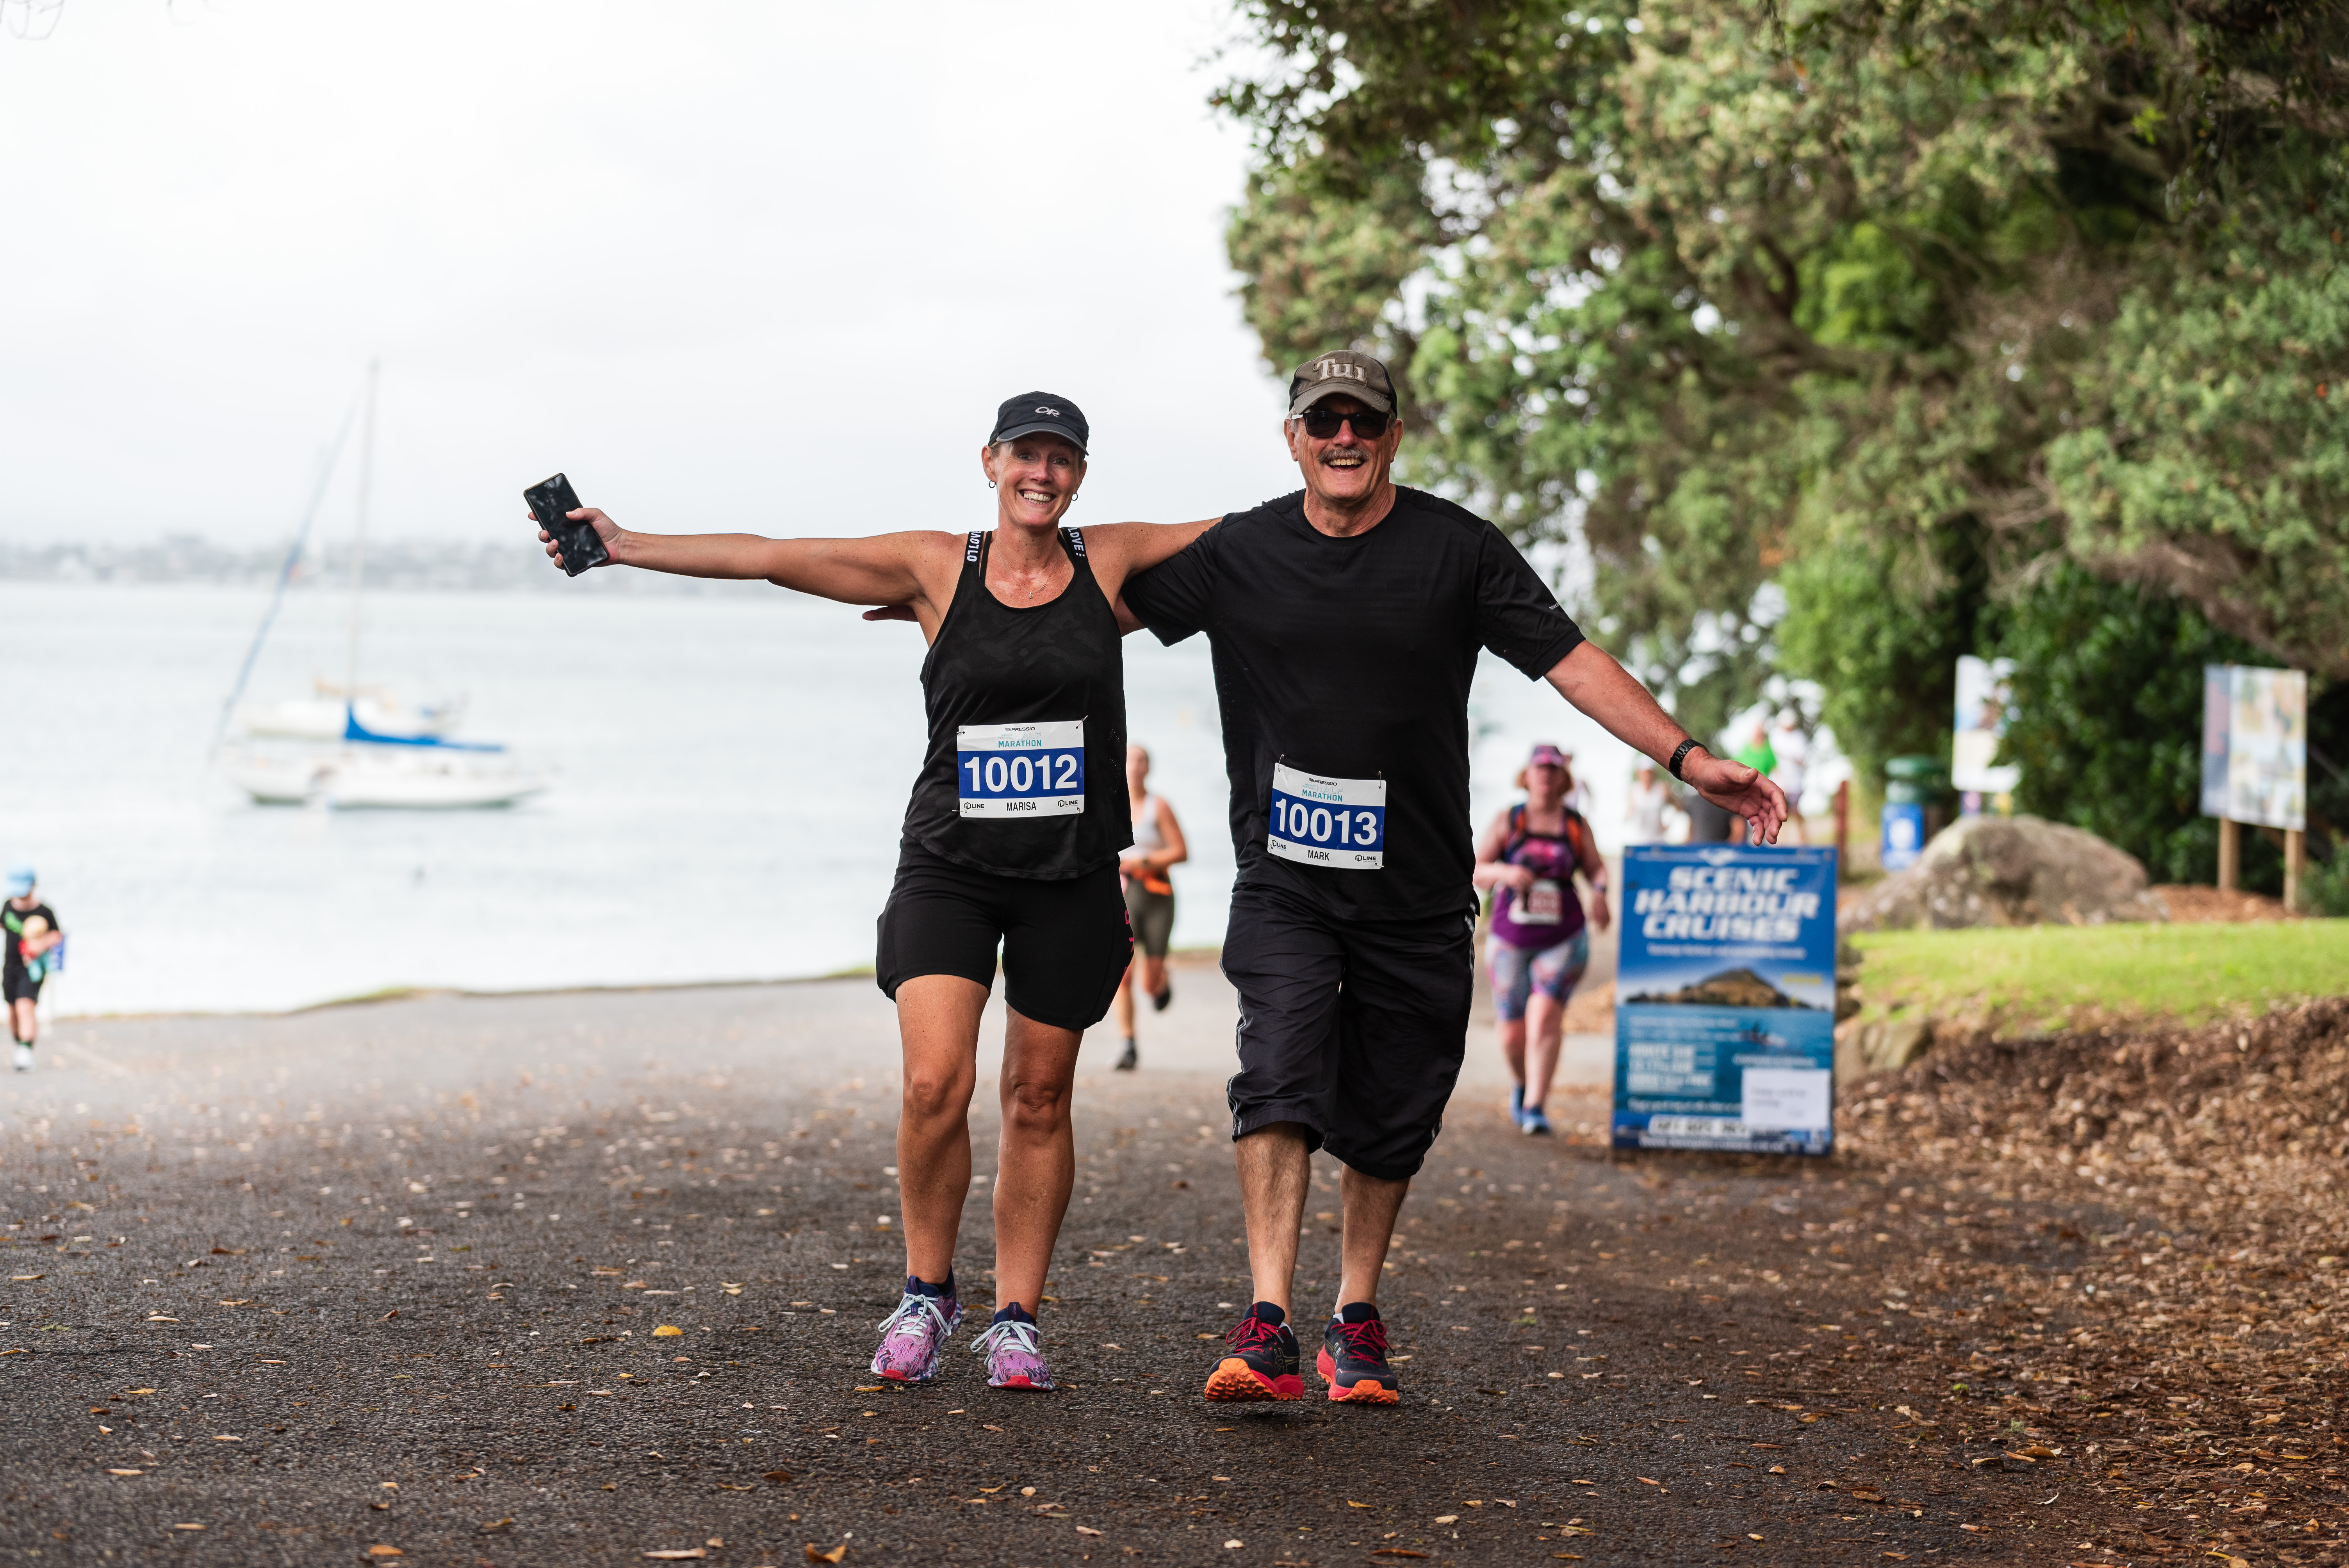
(1010, 841)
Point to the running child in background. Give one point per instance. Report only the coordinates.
(29, 940)
(1538, 947)
(1158, 848)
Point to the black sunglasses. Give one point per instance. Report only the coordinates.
(1322, 423)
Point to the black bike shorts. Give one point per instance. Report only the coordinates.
(1353, 1030)
(17, 988)
(1065, 944)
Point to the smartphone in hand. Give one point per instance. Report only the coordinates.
(551, 502)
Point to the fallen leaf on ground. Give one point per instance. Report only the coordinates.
(667, 1331)
(1447, 1518)
(779, 1476)
(1350, 1503)
(385, 1552)
(497, 1523)
(1647, 1480)
(186, 1527)
(834, 1555)
(126, 1472)
(1087, 1529)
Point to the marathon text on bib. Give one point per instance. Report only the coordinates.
(1020, 769)
(1544, 904)
(1318, 821)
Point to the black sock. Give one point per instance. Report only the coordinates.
(1265, 1312)
(1015, 1313)
(916, 1285)
(1359, 1312)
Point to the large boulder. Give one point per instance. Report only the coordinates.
(2009, 871)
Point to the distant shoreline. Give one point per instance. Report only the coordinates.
(391, 994)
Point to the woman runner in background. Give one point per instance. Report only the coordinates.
(1538, 946)
(1011, 839)
(1158, 848)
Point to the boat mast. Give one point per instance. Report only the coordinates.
(358, 542)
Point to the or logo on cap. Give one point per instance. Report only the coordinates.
(1047, 411)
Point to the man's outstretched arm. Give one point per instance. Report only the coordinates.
(1590, 679)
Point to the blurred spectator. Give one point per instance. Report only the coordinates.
(1792, 749)
(1645, 810)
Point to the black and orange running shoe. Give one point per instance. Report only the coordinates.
(1354, 1359)
(1263, 1362)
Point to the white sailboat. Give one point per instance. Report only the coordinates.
(381, 756)
(323, 715)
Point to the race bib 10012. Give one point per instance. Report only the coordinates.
(1319, 822)
(1020, 769)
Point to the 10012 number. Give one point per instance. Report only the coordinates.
(1048, 773)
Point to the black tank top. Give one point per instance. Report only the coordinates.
(1025, 776)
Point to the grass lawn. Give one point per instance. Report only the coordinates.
(2050, 976)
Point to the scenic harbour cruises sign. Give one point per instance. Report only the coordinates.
(1724, 1012)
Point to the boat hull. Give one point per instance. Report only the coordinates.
(354, 779)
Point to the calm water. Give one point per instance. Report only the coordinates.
(729, 773)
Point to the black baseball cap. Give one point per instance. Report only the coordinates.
(1040, 413)
(1342, 374)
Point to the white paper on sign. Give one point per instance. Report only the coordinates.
(1785, 1099)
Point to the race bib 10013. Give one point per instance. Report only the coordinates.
(1020, 769)
(1319, 822)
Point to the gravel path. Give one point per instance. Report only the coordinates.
(626, 1251)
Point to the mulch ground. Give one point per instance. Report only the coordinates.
(2125, 1251)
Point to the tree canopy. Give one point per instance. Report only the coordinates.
(1829, 329)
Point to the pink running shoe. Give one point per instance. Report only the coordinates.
(1012, 1359)
(914, 1337)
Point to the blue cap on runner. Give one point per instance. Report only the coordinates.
(20, 880)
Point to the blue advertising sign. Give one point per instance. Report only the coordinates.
(1724, 999)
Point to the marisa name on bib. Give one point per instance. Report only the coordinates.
(1020, 769)
(1322, 821)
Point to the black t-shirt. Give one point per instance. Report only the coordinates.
(1351, 659)
(12, 936)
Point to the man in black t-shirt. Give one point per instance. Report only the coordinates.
(1345, 622)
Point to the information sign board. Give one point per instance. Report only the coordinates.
(1724, 999)
(2255, 745)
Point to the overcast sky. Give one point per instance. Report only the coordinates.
(727, 264)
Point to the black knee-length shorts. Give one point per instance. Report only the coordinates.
(1065, 944)
(1353, 1030)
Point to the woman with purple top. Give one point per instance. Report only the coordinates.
(1539, 945)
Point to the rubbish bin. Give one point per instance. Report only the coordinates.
(1915, 807)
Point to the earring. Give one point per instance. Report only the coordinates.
(990, 484)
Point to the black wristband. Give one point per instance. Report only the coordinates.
(1680, 755)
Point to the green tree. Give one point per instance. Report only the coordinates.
(2107, 721)
(1824, 327)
